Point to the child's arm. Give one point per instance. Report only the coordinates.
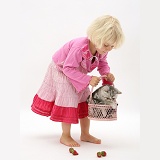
(103, 67)
(70, 68)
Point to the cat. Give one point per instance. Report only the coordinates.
(105, 95)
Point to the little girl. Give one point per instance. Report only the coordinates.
(65, 88)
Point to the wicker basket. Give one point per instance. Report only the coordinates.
(101, 112)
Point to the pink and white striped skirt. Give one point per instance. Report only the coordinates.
(58, 98)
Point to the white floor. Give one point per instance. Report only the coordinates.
(40, 138)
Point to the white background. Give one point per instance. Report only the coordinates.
(12, 51)
(46, 26)
(31, 31)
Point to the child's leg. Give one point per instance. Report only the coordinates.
(66, 138)
(85, 135)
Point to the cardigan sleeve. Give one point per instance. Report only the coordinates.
(103, 67)
(70, 68)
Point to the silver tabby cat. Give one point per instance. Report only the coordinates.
(105, 95)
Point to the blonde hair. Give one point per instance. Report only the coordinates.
(105, 30)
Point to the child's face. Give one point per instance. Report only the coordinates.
(105, 48)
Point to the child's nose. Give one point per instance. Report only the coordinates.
(109, 48)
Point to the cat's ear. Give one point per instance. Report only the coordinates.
(118, 92)
(106, 88)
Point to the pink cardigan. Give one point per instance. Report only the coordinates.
(75, 55)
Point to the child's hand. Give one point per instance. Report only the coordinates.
(94, 81)
(110, 77)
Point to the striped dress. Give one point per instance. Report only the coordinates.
(64, 90)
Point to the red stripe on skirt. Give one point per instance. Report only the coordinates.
(59, 113)
(41, 106)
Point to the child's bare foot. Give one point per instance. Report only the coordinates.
(90, 138)
(69, 141)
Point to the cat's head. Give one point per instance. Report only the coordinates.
(106, 94)
(110, 94)
(114, 92)
(109, 91)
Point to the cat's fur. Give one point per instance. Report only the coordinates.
(105, 95)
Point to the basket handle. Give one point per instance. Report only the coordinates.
(90, 98)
